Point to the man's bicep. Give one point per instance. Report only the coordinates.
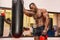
(46, 15)
(28, 13)
(47, 19)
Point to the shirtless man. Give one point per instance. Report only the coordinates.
(41, 18)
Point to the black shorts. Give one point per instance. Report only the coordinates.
(38, 31)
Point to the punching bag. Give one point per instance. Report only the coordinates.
(17, 18)
(2, 16)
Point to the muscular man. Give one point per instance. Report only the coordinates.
(41, 18)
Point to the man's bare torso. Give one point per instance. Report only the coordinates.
(39, 18)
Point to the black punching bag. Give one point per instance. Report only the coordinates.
(2, 16)
(17, 18)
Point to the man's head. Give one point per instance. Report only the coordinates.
(32, 6)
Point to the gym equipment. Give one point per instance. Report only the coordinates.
(51, 31)
(2, 16)
(17, 18)
(43, 37)
(50, 23)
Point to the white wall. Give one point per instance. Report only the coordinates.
(6, 3)
(50, 5)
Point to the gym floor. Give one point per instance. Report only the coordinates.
(6, 33)
(28, 38)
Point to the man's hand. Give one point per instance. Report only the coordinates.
(44, 32)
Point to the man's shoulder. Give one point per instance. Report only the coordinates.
(43, 9)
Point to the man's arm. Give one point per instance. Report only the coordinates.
(8, 22)
(46, 15)
(28, 12)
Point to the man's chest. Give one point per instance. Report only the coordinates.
(39, 14)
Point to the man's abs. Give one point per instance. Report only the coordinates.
(39, 22)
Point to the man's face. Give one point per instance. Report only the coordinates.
(32, 7)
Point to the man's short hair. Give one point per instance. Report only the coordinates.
(31, 4)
